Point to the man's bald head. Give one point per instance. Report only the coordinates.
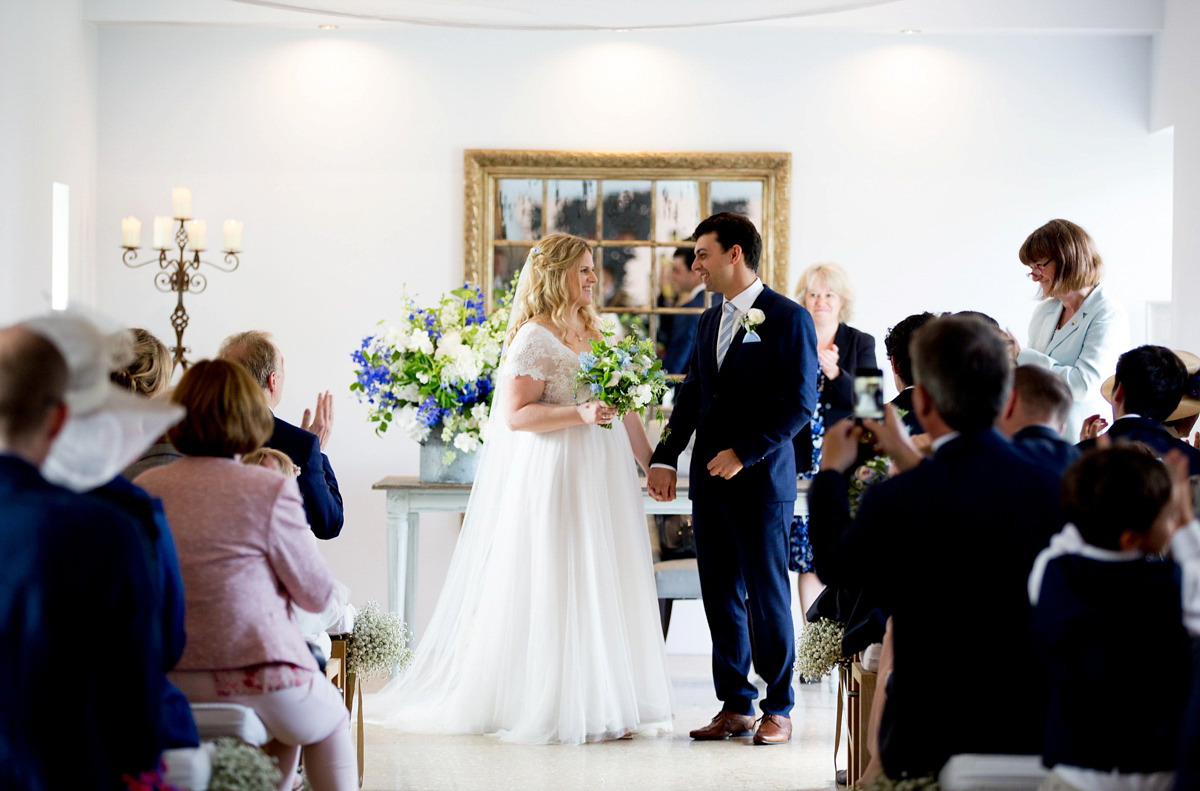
(33, 380)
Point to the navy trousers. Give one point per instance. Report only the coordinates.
(742, 555)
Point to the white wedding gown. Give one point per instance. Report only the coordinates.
(547, 629)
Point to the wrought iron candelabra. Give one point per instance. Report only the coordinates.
(180, 275)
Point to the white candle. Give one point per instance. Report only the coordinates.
(182, 198)
(162, 233)
(195, 232)
(233, 236)
(131, 232)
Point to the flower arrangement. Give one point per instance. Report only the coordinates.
(819, 648)
(236, 766)
(434, 370)
(868, 473)
(905, 783)
(625, 374)
(378, 644)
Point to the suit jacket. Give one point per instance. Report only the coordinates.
(948, 546)
(1044, 446)
(82, 663)
(1084, 352)
(856, 350)
(755, 403)
(318, 486)
(1141, 429)
(682, 337)
(904, 400)
(246, 552)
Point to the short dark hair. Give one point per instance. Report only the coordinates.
(1043, 394)
(963, 365)
(227, 412)
(981, 316)
(688, 254)
(255, 350)
(734, 229)
(1111, 490)
(897, 340)
(33, 380)
(1153, 379)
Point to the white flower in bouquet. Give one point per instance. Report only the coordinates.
(378, 644)
(643, 395)
(467, 443)
(819, 648)
(236, 766)
(419, 341)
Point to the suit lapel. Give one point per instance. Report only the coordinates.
(739, 335)
(1072, 327)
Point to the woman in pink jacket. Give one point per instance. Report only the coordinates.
(246, 551)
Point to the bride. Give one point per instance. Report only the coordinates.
(547, 629)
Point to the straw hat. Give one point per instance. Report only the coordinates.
(1188, 405)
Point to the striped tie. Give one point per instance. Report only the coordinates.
(728, 325)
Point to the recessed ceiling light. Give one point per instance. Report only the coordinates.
(910, 32)
(327, 27)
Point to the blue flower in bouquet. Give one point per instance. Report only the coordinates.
(588, 361)
(429, 413)
(610, 374)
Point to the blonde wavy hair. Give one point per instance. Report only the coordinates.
(835, 279)
(544, 289)
(150, 371)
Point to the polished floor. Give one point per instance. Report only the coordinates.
(396, 762)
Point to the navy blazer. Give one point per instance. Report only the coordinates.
(1143, 429)
(856, 349)
(318, 486)
(682, 337)
(948, 547)
(82, 659)
(1046, 446)
(755, 403)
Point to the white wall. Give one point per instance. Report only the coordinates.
(47, 134)
(920, 163)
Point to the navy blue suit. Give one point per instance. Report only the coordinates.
(1045, 446)
(904, 400)
(948, 546)
(1143, 429)
(178, 726)
(318, 486)
(755, 403)
(82, 664)
(682, 337)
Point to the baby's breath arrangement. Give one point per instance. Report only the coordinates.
(819, 648)
(905, 783)
(236, 766)
(379, 643)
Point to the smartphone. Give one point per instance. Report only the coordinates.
(868, 394)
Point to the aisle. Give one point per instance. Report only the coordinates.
(404, 762)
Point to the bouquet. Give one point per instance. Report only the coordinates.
(625, 374)
(433, 371)
(819, 648)
(378, 644)
(236, 766)
(868, 473)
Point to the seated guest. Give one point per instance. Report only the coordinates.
(303, 444)
(1109, 728)
(272, 459)
(1035, 415)
(1149, 383)
(149, 374)
(246, 552)
(1182, 421)
(896, 342)
(81, 668)
(681, 334)
(947, 546)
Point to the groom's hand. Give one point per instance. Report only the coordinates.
(660, 483)
(725, 464)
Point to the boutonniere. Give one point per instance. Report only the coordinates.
(750, 323)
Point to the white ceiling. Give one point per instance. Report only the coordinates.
(1123, 17)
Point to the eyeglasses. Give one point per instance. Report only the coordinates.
(1040, 267)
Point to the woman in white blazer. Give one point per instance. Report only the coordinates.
(1079, 330)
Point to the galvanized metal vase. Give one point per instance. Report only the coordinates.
(434, 468)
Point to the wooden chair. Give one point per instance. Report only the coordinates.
(347, 684)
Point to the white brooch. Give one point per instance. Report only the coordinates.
(750, 322)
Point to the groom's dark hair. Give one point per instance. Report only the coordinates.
(734, 229)
(965, 367)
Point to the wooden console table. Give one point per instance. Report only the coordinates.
(408, 498)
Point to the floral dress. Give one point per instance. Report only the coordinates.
(800, 555)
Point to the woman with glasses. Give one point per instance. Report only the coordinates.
(1078, 330)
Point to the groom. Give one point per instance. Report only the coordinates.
(751, 386)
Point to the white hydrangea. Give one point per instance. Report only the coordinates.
(406, 420)
(408, 392)
(466, 442)
(642, 395)
(419, 341)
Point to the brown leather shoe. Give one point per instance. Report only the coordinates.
(773, 729)
(724, 725)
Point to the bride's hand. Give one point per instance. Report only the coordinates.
(596, 412)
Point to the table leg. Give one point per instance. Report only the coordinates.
(403, 527)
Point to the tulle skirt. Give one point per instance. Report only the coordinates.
(547, 628)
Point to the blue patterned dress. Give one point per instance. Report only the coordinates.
(800, 556)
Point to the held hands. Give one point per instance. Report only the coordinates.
(660, 483)
(1092, 427)
(828, 358)
(725, 464)
(320, 423)
(840, 450)
(596, 412)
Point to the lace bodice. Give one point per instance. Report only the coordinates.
(537, 353)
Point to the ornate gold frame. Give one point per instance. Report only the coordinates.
(481, 169)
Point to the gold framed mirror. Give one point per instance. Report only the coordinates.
(636, 208)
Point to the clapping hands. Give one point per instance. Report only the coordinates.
(320, 422)
(828, 358)
(1092, 427)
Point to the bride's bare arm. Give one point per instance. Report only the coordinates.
(638, 439)
(522, 411)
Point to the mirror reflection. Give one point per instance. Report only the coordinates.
(572, 205)
(518, 209)
(678, 210)
(627, 210)
(741, 197)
